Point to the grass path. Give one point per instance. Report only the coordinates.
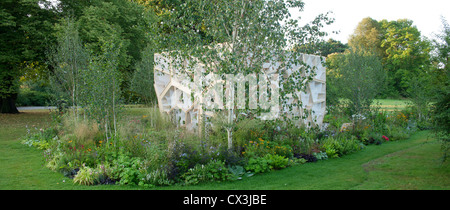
(409, 164)
(402, 165)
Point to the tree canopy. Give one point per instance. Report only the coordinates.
(404, 52)
(25, 33)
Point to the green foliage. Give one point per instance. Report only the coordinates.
(69, 60)
(359, 76)
(155, 157)
(321, 155)
(99, 48)
(441, 121)
(129, 170)
(339, 146)
(440, 111)
(406, 53)
(25, 32)
(40, 138)
(248, 129)
(399, 44)
(142, 81)
(238, 172)
(214, 170)
(115, 20)
(322, 48)
(101, 92)
(241, 30)
(367, 35)
(118, 21)
(86, 176)
(260, 147)
(158, 177)
(266, 163)
(34, 96)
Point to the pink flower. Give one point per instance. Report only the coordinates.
(385, 138)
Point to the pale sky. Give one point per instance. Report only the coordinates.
(348, 13)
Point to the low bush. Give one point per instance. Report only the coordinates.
(214, 170)
(86, 176)
(266, 163)
(336, 147)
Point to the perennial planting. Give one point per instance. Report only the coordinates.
(147, 154)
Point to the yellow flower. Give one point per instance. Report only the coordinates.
(100, 142)
(70, 141)
(144, 116)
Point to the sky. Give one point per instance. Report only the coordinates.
(426, 15)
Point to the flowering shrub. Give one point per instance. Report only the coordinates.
(262, 147)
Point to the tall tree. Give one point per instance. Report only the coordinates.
(442, 45)
(367, 35)
(69, 59)
(142, 82)
(101, 93)
(399, 43)
(25, 32)
(179, 17)
(100, 21)
(441, 92)
(356, 75)
(323, 48)
(406, 53)
(247, 34)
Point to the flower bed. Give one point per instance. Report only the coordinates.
(147, 154)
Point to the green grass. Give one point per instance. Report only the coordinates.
(409, 164)
(391, 104)
(387, 104)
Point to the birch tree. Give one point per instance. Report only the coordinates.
(244, 34)
(69, 59)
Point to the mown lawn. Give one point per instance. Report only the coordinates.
(390, 104)
(402, 165)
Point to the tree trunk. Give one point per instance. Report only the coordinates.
(230, 138)
(8, 105)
